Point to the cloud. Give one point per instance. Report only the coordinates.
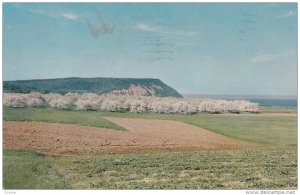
(56, 14)
(287, 14)
(162, 30)
(148, 28)
(70, 16)
(264, 57)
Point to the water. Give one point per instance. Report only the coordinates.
(261, 100)
(275, 102)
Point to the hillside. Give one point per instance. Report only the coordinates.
(99, 85)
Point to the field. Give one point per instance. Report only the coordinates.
(272, 165)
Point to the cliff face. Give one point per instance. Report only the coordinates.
(138, 90)
(99, 85)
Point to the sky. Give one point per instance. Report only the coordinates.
(196, 48)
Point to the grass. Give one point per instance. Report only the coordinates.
(276, 109)
(278, 130)
(269, 168)
(228, 169)
(86, 118)
(29, 170)
(266, 129)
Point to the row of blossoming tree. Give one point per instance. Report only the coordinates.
(122, 103)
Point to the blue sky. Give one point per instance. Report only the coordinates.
(217, 48)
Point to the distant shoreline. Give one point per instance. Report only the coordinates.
(239, 97)
(285, 101)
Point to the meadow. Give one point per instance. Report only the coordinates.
(273, 167)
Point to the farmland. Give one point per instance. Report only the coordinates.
(270, 167)
(183, 95)
(241, 169)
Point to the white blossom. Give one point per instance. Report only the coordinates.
(122, 103)
(14, 100)
(110, 105)
(138, 106)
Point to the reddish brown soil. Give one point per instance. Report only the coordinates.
(142, 135)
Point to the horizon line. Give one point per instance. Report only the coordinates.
(241, 96)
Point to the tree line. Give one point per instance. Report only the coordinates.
(127, 103)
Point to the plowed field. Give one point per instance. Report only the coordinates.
(142, 135)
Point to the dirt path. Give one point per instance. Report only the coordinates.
(142, 135)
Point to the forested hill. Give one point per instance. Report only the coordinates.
(99, 85)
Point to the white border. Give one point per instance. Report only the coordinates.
(134, 192)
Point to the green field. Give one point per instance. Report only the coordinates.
(269, 168)
(87, 118)
(258, 128)
(241, 169)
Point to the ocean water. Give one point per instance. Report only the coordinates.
(275, 102)
(261, 100)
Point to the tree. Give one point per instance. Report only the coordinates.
(137, 104)
(14, 100)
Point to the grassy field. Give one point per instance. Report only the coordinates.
(87, 118)
(241, 169)
(276, 109)
(266, 129)
(270, 168)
